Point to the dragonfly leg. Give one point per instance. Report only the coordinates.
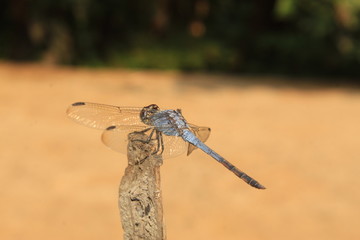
(151, 137)
(145, 130)
(160, 142)
(141, 161)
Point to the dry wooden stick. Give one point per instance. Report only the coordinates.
(139, 192)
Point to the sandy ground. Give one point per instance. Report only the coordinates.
(58, 181)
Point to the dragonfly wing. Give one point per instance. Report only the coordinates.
(201, 133)
(116, 137)
(101, 116)
(173, 146)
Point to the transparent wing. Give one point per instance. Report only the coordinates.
(116, 137)
(101, 116)
(173, 146)
(201, 133)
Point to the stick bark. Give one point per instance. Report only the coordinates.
(140, 201)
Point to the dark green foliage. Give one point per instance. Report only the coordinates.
(258, 36)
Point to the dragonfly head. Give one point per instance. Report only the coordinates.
(147, 112)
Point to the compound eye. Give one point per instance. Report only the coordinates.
(142, 114)
(153, 106)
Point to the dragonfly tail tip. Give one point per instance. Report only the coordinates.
(259, 186)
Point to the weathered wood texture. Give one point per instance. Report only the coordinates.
(139, 192)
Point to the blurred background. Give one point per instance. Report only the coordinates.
(276, 80)
(253, 36)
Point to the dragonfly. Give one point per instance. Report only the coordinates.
(172, 133)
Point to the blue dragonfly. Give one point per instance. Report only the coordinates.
(172, 133)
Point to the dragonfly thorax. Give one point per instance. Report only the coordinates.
(147, 112)
(170, 122)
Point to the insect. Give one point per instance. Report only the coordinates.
(172, 133)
